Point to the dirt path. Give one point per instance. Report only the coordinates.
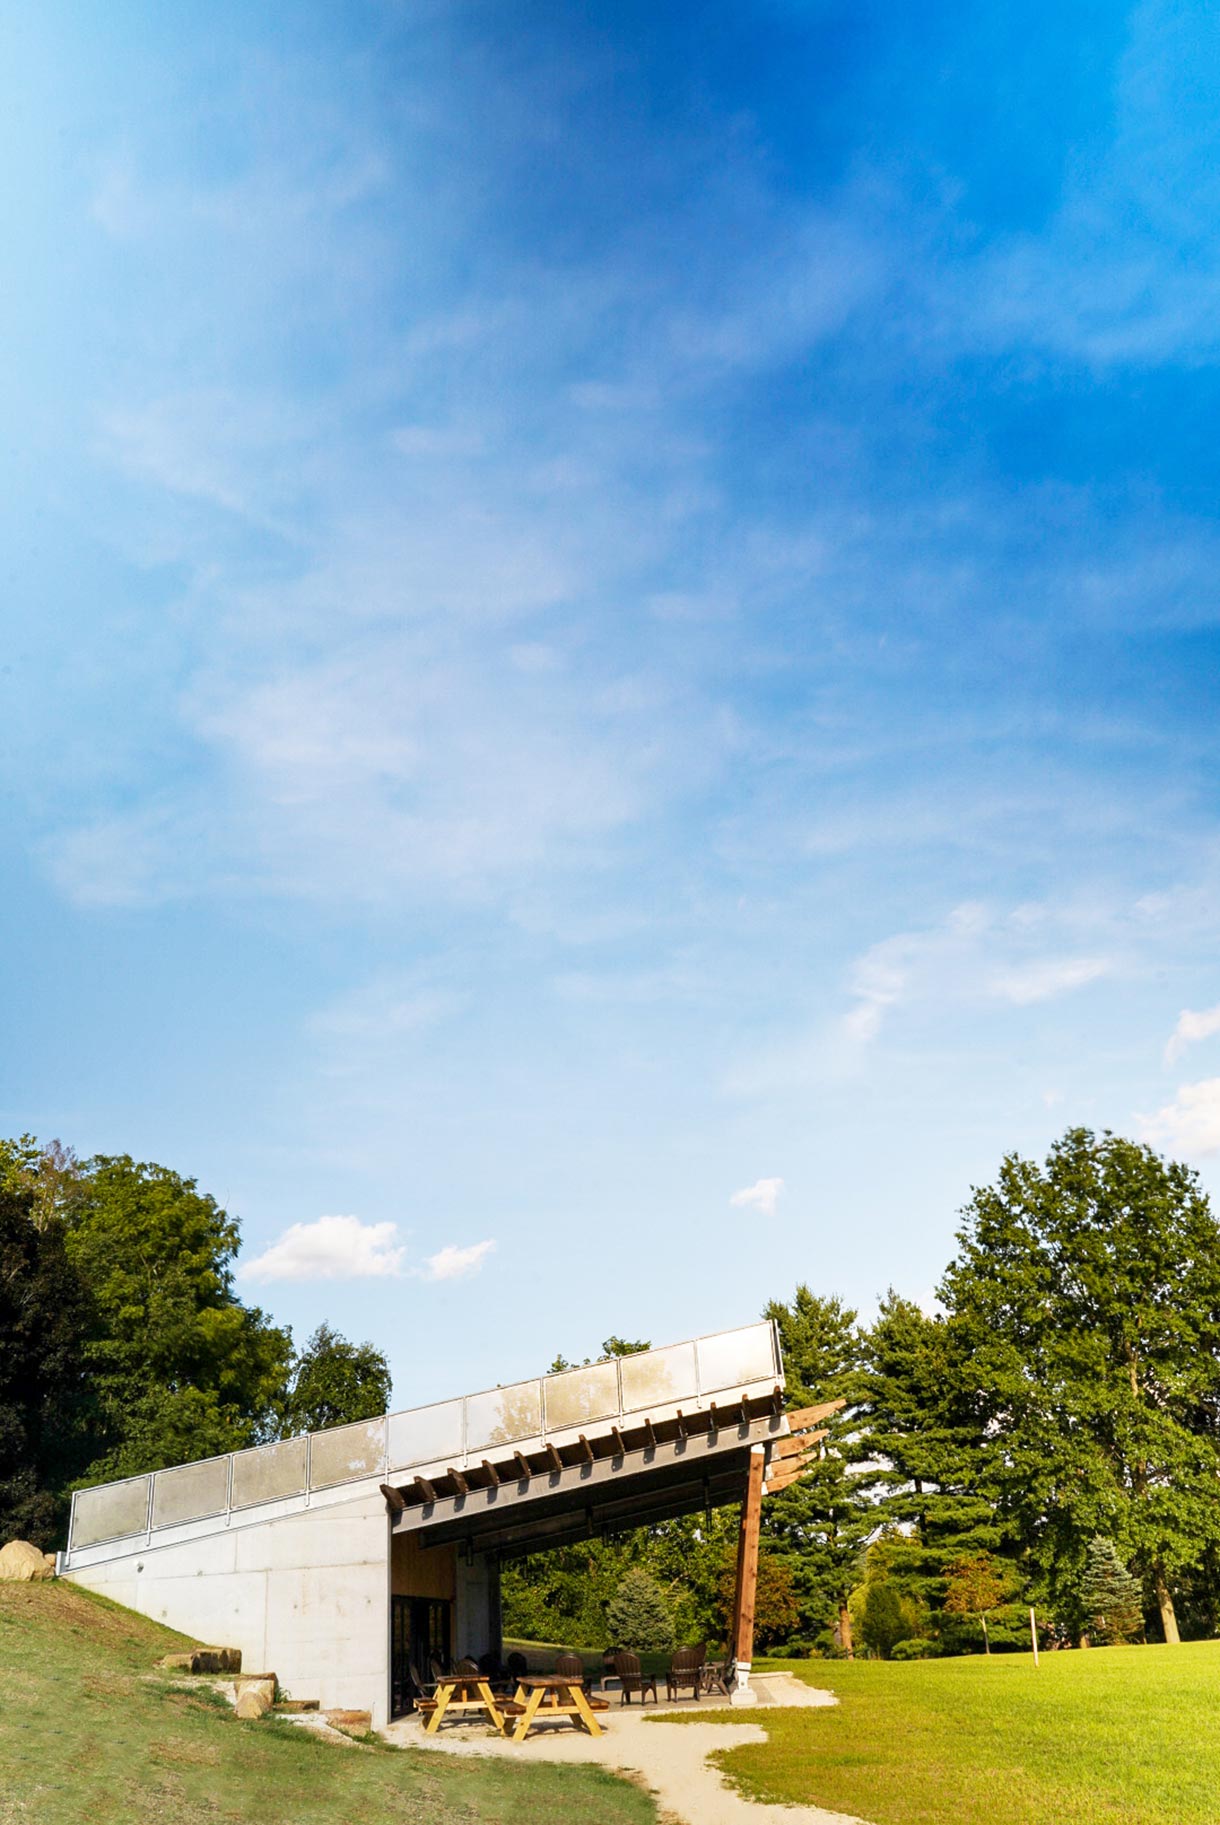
(673, 1763)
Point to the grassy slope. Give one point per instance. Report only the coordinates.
(86, 1732)
(1115, 1734)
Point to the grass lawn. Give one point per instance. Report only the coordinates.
(89, 1732)
(1130, 1734)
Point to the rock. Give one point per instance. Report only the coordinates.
(253, 1703)
(265, 1683)
(352, 1723)
(204, 1660)
(21, 1563)
(51, 1562)
(292, 1707)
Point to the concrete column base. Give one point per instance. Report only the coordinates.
(743, 1696)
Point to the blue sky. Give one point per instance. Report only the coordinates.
(607, 609)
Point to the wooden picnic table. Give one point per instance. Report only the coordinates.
(461, 1693)
(545, 1695)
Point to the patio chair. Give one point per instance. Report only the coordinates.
(423, 1691)
(686, 1669)
(631, 1679)
(467, 1664)
(516, 1665)
(570, 1666)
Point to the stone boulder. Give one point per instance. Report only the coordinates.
(253, 1702)
(203, 1660)
(21, 1563)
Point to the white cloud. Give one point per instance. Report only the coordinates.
(332, 1248)
(763, 1195)
(452, 1263)
(1053, 976)
(1193, 1024)
(1190, 1124)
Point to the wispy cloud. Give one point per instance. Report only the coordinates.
(330, 1248)
(1193, 1025)
(763, 1196)
(1190, 1124)
(1044, 980)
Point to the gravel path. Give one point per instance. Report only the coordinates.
(673, 1763)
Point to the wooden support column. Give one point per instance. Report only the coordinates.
(747, 1577)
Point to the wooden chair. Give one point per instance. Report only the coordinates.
(631, 1679)
(686, 1669)
(467, 1664)
(570, 1666)
(423, 1691)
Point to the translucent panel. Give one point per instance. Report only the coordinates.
(581, 1395)
(109, 1512)
(426, 1434)
(503, 1415)
(656, 1378)
(348, 1451)
(736, 1358)
(190, 1492)
(269, 1473)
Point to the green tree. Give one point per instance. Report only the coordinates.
(821, 1522)
(639, 1614)
(922, 1426)
(1111, 1602)
(334, 1383)
(1087, 1294)
(46, 1410)
(776, 1611)
(181, 1367)
(977, 1585)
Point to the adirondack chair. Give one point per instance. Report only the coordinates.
(686, 1669)
(631, 1679)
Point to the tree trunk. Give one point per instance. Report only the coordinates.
(845, 1640)
(1164, 1601)
(986, 1636)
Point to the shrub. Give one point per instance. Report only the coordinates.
(1110, 1598)
(914, 1648)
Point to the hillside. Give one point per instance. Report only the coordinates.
(89, 1729)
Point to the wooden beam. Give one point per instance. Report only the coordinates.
(523, 1470)
(809, 1416)
(425, 1488)
(395, 1501)
(681, 1424)
(620, 1443)
(586, 1449)
(649, 1434)
(794, 1446)
(751, 1511)
(788, 1473)
(777, 1400)
(743, 1418)
(493, 1475)
(462, 1485)
(553, 1457)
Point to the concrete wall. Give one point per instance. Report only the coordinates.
(476, 1624)
(305, 1596)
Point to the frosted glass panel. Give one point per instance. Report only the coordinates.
(347, 1452)
(736, 1358)
(503, 1415)
(426, 1435)
(269, 1473)
(190, 1492)
(656, 1378)
(110, 1512)
(582, 1395)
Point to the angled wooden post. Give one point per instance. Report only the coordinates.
(747, 1577)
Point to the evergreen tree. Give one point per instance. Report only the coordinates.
(1111, 1602)
(46, 1408)
(1087, 1296)
(639, 1614)
(821, 1522)
(921, 1425)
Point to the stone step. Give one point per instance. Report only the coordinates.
(292, 1705)
(352, 1723)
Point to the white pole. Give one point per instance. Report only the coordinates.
(1033, 1634)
